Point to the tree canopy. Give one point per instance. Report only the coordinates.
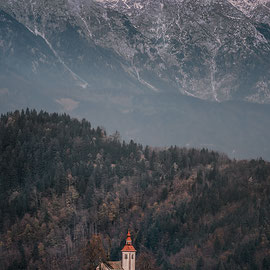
(69, 192)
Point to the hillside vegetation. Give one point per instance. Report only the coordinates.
(69, 193)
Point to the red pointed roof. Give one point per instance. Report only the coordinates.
(128, 246)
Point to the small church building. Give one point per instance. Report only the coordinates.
(128, 258)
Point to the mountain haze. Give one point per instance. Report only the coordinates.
(192, 72)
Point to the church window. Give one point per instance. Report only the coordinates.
(132, 256)
(125, 256)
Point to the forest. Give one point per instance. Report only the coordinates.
(69, 192)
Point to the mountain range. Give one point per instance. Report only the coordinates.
(191, 73)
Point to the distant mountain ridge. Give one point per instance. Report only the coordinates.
(214, 50)
(189, 73)
(211, 47)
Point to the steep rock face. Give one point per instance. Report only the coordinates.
(48, 56)
(139, 67)
(258, 9)
(68, 36)
(213, 50)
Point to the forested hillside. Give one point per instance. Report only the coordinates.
(69, 193)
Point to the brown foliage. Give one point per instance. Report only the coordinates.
(146, 261)
(93, 253)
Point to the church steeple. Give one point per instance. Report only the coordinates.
(128, 254)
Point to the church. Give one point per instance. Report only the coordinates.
(128, 258)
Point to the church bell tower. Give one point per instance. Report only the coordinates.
(128, 254)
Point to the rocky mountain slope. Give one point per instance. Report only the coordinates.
(198, 69)
(214, 50)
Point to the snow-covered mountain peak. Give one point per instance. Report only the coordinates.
(124, 4)
(247, 6)
(207, 49)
